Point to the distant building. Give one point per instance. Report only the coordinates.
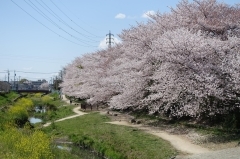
(24, 86)
(29, 85)
(5, 86)
(37, 84)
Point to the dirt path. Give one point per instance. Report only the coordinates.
(75, 110)
(177, 141)
(65, 99)
(231, 153)
(180, 142)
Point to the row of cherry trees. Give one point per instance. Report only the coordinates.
(182, 63)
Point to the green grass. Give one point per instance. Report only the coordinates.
(112, 141)
(65, 111)
(7, 98)
(57, 108)
(215, 134)
(23, 143)
(59, 113)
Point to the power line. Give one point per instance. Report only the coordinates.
(33, 57)
(7, 71)
(48, 27)
(49, 10)
(32, 60)
(13, 76)
(22, 77)
(37, 72)
(72, 20)
(51, 21)
(23, 56)
(81, 21)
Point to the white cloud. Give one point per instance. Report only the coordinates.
(146, 14)
(103, 44)
(120, 16)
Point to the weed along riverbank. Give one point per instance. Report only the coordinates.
(21, 138)
(63, 131)
(91, 131)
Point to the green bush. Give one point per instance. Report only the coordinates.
(18, 113)
(25, 144)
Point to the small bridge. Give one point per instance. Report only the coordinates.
(33, 91)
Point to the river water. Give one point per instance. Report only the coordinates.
(82, 153)
(38, 109)
(34, 120)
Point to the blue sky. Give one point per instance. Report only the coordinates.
(42, 36)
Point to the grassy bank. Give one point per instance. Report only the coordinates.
(19, 139)
(7, 98)
(55, 108)
(112, 141)
(89, 131)
(211, 135)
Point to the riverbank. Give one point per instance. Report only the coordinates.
(112, 141)
(192, 143)
(75, 110)
(187, 142)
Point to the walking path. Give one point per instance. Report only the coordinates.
(231, 153)
(75, 110)
(177, 141)
(181, 143)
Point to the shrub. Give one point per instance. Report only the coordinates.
(25, 144)
(19, 111)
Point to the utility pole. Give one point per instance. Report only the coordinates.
(55, 83)
(8, 75)
(14, 80)
(19, 82)
(109, 39)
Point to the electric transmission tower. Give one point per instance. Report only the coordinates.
(109, 39)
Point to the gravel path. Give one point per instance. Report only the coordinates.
(231, 153)
(75, 110)
(177, 141)
(181, 143)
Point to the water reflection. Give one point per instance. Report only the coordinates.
(34, 120)
(64, 148)
(80, 152)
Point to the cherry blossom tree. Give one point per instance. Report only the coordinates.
(44, 85)
(185, 63)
